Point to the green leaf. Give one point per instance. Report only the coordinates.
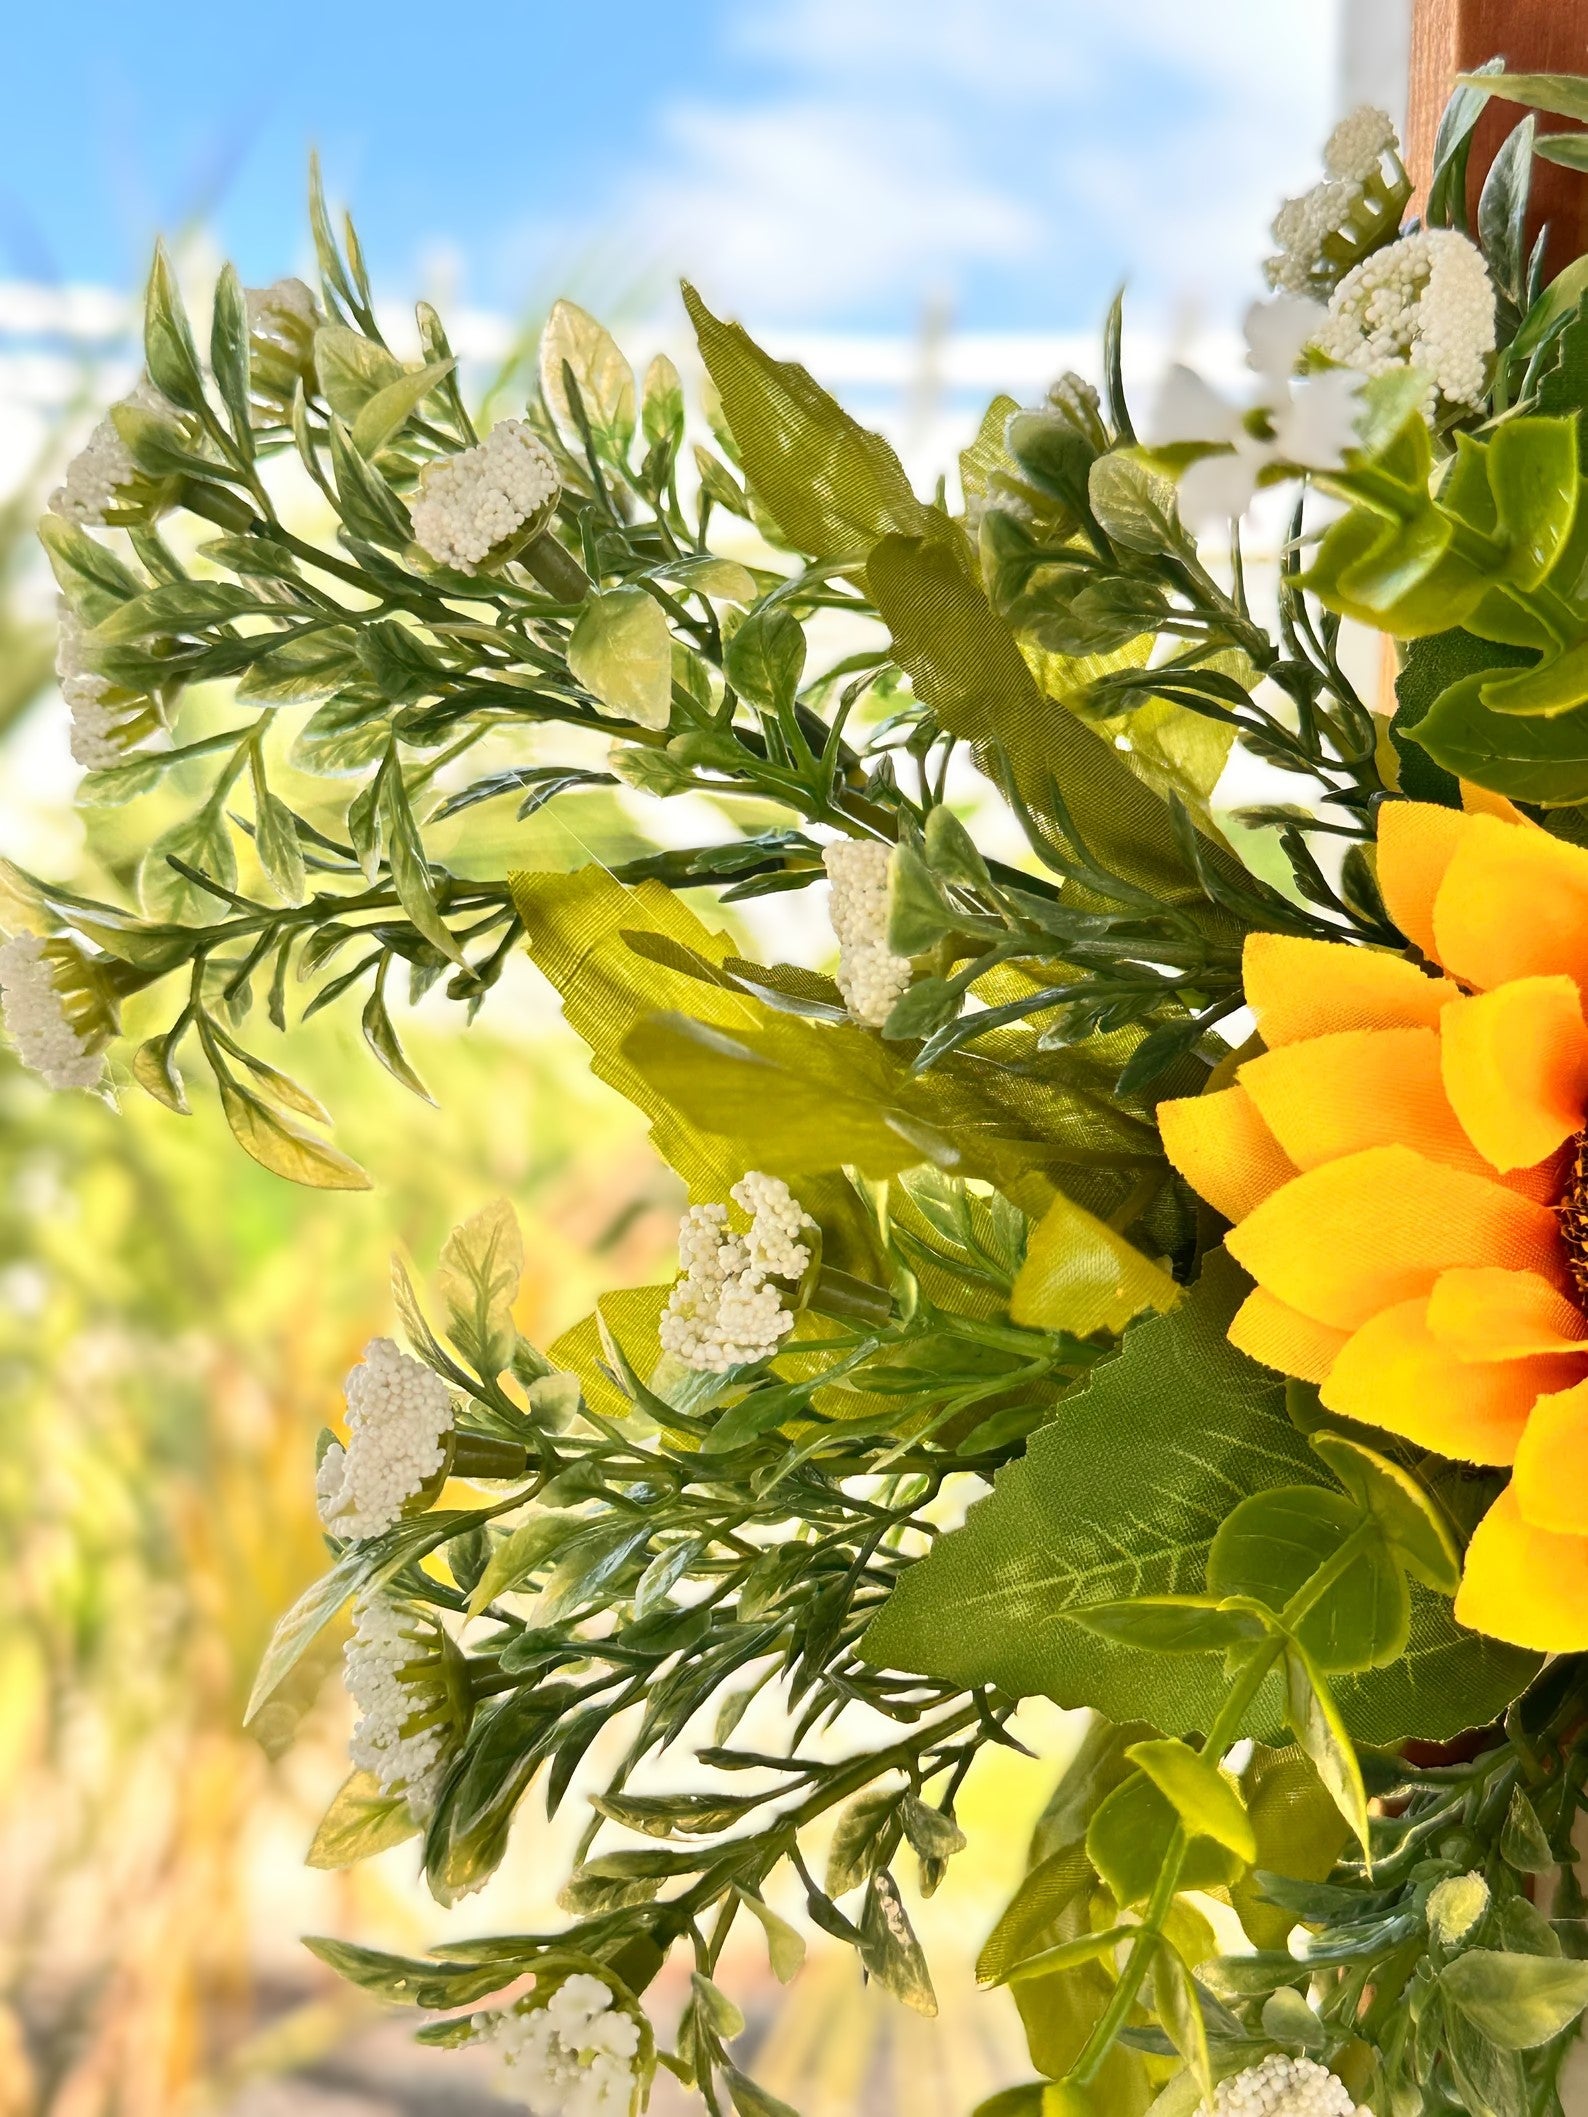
(1120, 1498)
(408, 1982)
(1273, 1543)
(1135, 506)
(603, 377)
(168, 348)
(1206, 1802)
(205, 843)
(515, 1557)
(360, 1822)
(1299, 1834)
(1078, 1275)
(890, 1950)
(1179, 2009)
(766, 657)
(1044, 1895)
(1414, 1525)
(1315, 1721)
(1569, 149)
(1527, 758)
(482, 1263)
(1563, 95)
(229, 359)
(965, 665)
(1517, 2001)
(285, 1148)
(752, 2100)
(181, 606)
(857, 1848)
(1523, 1844)
(379, 417)
(352, 369)
(1128, 1842)
(1532, 472)
(1069, 1955)
(830, 486)
(409, 863)
(1171, 1624)
(621, 651)
(785, 1946)
(662, 405)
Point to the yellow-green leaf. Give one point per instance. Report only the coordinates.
(1206, 1802)
(285, 1148)
(1080, 1276)
(360, 1822)
(621, 650)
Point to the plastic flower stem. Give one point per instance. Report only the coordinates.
(1223, 1732)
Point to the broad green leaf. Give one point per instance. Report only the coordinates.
(831, 487)
(1534, 758)
(1128, 1842)
(1206, 1802)
(1045, 1894)
(168, 349)
(1135, 505)
(1414, 1525)
(380, 417)
(602, 376)
(766, 658)
(1518, 2001)
(785, 1945)
(965, 665)
(360, 1822)
(1314, 1719)
(1430, 668)
(723, 580)
(1487, 2078)
(482, 1263)
(1563, 95)
(1272, 1544)
(621, 651)
(1079, 1276)
(662, 404)
(1299, 1833)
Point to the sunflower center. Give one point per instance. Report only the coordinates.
(1573, 1214)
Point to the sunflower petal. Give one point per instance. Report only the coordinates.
(1417, 841)
(1335, 1095)
(1357, 1235)
(1516, 1068)
(1483, 1313)
(1513, 904)
(1523, 1584)
(1395, 1373)
(1551, 1481)
(1224, 1150)
(1266, 1329)
(1299, 988)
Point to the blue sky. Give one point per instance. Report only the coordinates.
(822, 162)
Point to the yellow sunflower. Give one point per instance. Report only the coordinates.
(1406, 1165)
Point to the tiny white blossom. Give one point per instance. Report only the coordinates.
(727, 1309)
(1426, 302)
(33, 1008)
(393, 1676)
(1359, 143)
(573, 2056)
(1306, 422)
(1455, 1906)
(398, 1417)
(106, 722)
(282, 311)
(473, 501)
(1321, 233)
(1284, 2087)
(99, 474)
(870, 976)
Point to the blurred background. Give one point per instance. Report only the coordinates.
(927, 201)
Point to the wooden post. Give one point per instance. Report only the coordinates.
(1532, 36)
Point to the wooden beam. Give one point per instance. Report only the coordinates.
(1532, 36)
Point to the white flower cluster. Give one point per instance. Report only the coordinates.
(34, 1012)
(870, 976)
(1284, 2087)
(1455, 1906)
(1307, 422)
(398, 1417)
(473, 501)
(574, 2056)
(282, 312)
(103, 467)
(386, 1650)
(726, 1310)
(1304, 226)
(106, 723)
(1426, 300)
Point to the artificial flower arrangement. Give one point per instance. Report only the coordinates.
(1257, 1347)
